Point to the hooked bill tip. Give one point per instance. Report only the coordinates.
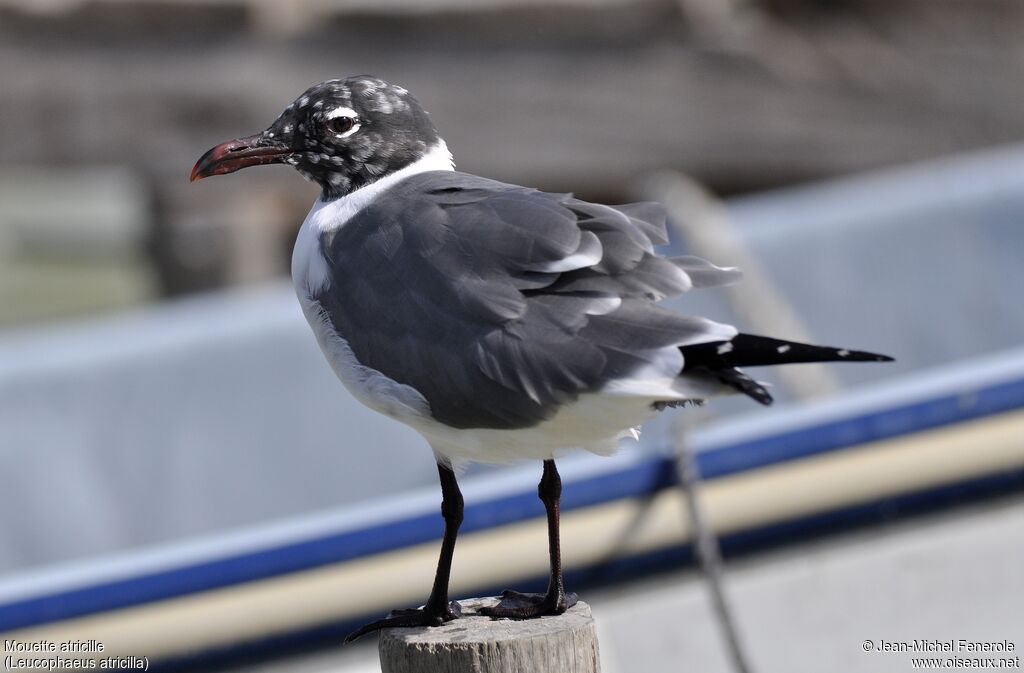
(234, 155)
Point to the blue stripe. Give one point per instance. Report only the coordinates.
(868, 427)
(645, 477)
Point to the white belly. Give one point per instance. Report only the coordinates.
(594, 422)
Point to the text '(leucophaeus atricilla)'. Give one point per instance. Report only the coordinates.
(501, 322)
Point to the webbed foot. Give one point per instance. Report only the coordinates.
(516, 605)
(410, 617)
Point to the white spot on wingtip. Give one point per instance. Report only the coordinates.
(783, 349)
(842, 353)
(725, 348)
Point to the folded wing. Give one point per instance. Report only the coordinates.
(501, 303)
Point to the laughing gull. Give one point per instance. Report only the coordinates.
(500, 322)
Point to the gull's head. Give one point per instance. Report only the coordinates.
(341, 134)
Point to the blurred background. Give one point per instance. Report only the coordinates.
(161, 397)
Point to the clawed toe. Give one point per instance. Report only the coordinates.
(518, 596)
(517, 605)
(407, 618)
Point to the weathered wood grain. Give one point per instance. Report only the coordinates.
(476, 644)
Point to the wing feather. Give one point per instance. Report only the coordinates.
(499, 303)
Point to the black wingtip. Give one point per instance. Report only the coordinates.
(843, 355)
(749, 350)
(742, 383)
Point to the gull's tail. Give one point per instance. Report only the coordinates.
(721, 358)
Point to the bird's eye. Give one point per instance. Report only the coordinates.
(342, 126)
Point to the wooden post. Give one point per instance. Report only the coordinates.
(476, 644)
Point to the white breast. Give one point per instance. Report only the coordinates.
(310, 276)
(309, 268)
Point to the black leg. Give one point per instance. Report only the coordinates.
(437, 610)
(452, 510)
(555, 601)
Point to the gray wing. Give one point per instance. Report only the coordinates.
(500, 303)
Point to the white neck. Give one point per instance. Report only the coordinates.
(309, 268)
(331, 215)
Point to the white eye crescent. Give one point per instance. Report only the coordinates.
(341, 122)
